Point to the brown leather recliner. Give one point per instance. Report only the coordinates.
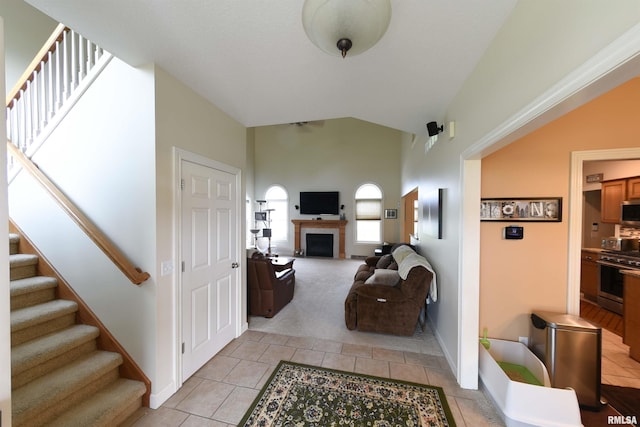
(269, 290)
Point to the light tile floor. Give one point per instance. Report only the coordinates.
(220, 393)
(617, 367)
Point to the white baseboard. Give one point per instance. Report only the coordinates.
(157, 399)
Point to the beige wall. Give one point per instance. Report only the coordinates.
(332, 155)
(26, 31)
(184, 120)
(519, 276)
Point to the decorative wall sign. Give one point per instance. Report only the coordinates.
(596, 177)
(532, 209)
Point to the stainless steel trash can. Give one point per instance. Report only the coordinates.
(571, 349)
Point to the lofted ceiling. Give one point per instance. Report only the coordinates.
(253, 60)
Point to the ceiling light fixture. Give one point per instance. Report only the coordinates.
(341, 26)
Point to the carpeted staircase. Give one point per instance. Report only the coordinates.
(59, 376)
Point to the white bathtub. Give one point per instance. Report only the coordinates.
(524, 404)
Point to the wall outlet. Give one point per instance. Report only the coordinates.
(166, 268)
(524, 340)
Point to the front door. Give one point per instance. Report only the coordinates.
(209, 280)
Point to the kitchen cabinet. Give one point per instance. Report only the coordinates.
(613, 194)
(632, 314)
(589, 275)
(633, 188)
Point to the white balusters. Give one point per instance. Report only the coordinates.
(58, 85)
(82, 60)
(50, 86)
(61, 71)
(74, 54)
(22, 121)
(64, 71)
(43, 94)
(90, 58)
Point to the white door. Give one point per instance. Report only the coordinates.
(209, 279)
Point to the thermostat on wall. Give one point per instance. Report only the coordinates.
(513, 232)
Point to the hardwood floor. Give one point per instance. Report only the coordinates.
(604, 318)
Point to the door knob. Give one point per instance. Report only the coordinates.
(235, 265)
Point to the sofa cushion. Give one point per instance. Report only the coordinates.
(382, 276)
(362, 275)
(384, 261)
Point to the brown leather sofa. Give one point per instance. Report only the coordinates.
(382, 306)
(268, 290)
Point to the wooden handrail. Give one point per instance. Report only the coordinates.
(41, 56)
(136, 275)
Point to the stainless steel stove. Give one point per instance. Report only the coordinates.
(630, 259)
(611, 283)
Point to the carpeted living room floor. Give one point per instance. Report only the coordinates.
(317, 310)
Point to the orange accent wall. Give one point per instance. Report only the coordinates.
(520, 276)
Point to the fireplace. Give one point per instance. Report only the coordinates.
(319, 245)
(339, 234)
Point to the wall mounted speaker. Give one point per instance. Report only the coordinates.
(433, 129)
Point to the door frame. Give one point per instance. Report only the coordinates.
(180, 155)
(615, 64)
(576, 203)
(408, 210)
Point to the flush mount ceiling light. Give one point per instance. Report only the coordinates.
(341, 26)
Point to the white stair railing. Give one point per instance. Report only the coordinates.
(61, 72)
(57, 76)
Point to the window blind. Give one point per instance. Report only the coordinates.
(368, 209)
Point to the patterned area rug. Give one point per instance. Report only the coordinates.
(301, 395)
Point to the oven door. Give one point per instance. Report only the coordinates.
(611, 287)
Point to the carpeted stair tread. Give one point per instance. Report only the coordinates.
(40, 350)
(17, 260)
(32, 291)
(22, 265)
(43, 394)
(31, 284)
(14, 239)
(104, 407)
(37, 314)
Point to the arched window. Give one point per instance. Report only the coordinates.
(278, 200)
(369, 214)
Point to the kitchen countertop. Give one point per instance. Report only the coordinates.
(593, 249)
(635, 273)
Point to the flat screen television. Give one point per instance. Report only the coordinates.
(319, 202)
